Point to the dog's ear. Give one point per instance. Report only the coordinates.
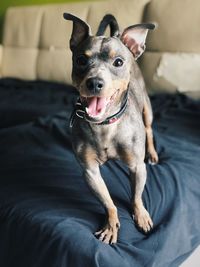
(108, 20)
(80, 32)
(134, 37)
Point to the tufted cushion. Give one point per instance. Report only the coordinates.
(19, 62)
(55, 31)
(127, 12)
(178, 25)
(54, 65)
(22, 27)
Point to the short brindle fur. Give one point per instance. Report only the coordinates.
(105, 72)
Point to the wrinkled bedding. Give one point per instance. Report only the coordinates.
(47, 213)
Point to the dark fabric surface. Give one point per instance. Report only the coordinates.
(47, 213)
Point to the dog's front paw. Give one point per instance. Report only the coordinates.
(143, 219)
(109, 233)
(153, 157)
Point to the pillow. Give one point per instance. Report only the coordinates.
(171, 72)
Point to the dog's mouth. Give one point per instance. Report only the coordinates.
(95, 106)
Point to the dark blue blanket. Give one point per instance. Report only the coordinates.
(47, 213)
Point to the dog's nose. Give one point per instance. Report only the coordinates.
(95, 85)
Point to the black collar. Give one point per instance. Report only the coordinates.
(80, 112)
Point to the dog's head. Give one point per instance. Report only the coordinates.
(102, 65)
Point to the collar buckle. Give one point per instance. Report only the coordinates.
(79, 112)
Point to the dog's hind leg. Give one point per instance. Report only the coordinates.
(148, 118)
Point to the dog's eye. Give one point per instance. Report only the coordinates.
(82, 60)
(118, 62)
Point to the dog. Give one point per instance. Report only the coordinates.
(113, 116)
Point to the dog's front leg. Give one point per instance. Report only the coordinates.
(93, 177)
(138, 177)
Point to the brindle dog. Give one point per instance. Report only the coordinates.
(114, 116)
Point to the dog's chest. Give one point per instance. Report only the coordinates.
(106, 143)
(106, 153)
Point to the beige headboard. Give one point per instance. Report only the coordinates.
(36, 41)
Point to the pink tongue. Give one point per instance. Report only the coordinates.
(96, 105)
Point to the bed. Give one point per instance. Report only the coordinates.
(48, 214)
